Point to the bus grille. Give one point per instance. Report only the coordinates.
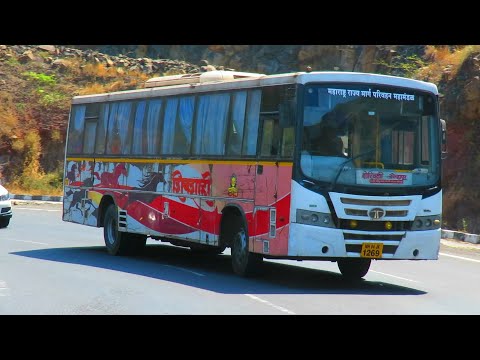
(372, 237)
(393, 209)
(375, 202)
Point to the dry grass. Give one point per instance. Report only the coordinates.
(127, 81)
(8, 118)
(94, 88)
(17, 190)
(444, 62)
(99, 70)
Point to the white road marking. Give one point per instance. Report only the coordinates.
(36, 209)
(398, 277)
(270, 304)
(31, 242)
(460, 257)
(190, 271)
(3, 286)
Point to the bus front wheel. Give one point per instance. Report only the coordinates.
(4, 222)
(244, 262)
(117, 242)
(354, 269)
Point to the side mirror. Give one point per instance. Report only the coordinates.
(443, 139)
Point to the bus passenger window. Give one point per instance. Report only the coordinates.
(77, 123)
(288, 141)
(269, 146)
(237, 123)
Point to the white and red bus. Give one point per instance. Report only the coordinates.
(334, 166)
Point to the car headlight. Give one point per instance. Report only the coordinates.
(4, 197)
(427, 222)
(315, 218)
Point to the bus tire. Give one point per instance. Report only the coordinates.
(354, 269)
(117, 242)
(4, 223)
(244, 262)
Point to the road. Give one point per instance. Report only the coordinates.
(48, 266)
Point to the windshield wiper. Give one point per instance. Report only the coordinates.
(346, 162)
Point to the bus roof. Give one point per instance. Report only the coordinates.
(225, 80)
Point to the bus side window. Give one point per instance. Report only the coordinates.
(211, 124)
(252, 121)
(138, 125)
(288, 142)
(75, 136)
(236, 123)
(270, 137)
(118, 133)
(184, 125)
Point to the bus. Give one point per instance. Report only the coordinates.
(336, 166)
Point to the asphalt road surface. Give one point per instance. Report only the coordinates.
(48, 266)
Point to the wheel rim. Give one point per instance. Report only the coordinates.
(111, 231)
(240, 248)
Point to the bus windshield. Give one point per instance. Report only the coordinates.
(368, 135)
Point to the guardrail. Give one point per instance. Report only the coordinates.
(36, 197)
(462, 236)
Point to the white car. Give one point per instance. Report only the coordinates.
(5, 207)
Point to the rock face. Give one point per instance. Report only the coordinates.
(460, 94)
(268, 59)
(460, 106)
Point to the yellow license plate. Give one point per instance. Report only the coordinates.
(372, 250)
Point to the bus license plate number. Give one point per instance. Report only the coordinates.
(372, 250)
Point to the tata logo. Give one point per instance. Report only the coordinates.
(376, 213)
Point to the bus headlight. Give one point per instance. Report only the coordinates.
(427, 222)
(315, 218)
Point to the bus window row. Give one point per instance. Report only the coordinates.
(213, 124)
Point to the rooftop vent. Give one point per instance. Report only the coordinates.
(209, 76)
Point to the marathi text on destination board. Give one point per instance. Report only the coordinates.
(383, 177)
(369, 93)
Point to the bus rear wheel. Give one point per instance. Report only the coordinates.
(117, 242)
(244, 262)
(354, 269)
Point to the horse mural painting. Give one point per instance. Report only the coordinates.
(110, 179)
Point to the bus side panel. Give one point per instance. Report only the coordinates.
(209, 221)
(72, 200)
(233, 181)
(231, 184)
(155, 204)
(272, 204)
(78, 207)
(282, 221)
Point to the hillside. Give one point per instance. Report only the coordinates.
(38, 81)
